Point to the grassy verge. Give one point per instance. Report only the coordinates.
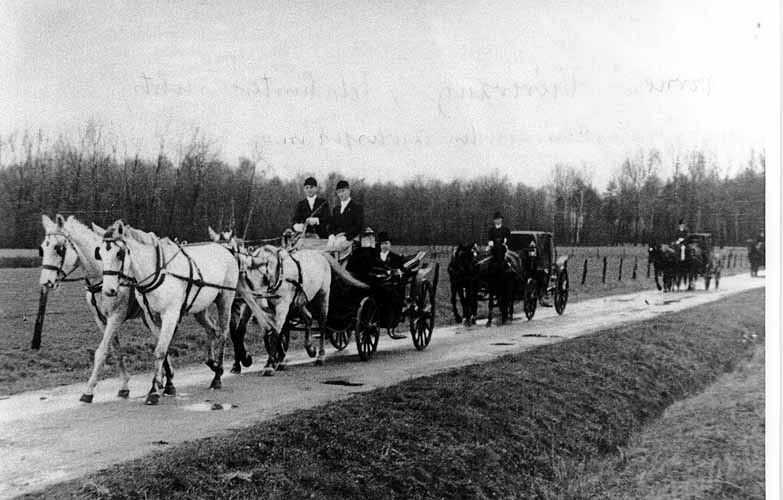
(709, 446)
(503, 429)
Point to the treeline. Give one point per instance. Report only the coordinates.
(178, 194)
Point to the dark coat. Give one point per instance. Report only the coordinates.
(366, 264)
(681, 234)
(320, 210)
(393, 260)
(499, 236)
(349, 222)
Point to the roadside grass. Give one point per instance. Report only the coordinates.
(708, 446)
(503, 429)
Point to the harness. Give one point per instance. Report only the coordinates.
(62, 276)
(273, 287)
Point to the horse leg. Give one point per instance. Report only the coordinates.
(240, 317)
(99, 358)
(455, 290)
(124, 392)
(490, 304)
(169, 321)
(323, 310)
(214, 356)
(275, 344)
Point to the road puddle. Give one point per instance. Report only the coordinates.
(502, 343)
(341, 382)
(208, 406)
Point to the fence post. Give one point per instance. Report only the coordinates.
(635, 265)
(603, 273)
(620, 273)
(584, 273)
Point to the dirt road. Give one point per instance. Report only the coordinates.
(48, 436)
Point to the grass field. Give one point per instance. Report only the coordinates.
(549, 423)
(70, 335)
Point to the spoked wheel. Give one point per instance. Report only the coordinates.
(531, 298)
(340, 338)
(422, 319)
(561, 292)
(367, 329)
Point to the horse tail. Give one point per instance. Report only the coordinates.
(343, 274)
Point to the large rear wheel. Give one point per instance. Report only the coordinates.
(340, 338)
(422, 319)
(561, 292)
(367, 328)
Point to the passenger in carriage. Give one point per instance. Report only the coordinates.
(311, 215)
(347, 218)
(498, 234)
(391, 259)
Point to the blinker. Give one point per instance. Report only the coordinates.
(97, 253)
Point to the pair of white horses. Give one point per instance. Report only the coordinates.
(166, 281)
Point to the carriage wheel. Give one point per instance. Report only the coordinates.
(340, 338)
(530, 299)
(367, 329)
(422, 320)
(561, 292)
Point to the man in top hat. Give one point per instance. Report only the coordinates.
(347, 217)
(391, 259)
(498, 234)
(365, 262)
(311, 215)
(680, 236)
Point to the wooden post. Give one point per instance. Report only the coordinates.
(620, 273)
(584, 273)
(635, 266)
(603, 273)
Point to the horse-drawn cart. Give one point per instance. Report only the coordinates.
(701, 259)
(361, 314)
(545, 274)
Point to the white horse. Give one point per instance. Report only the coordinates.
(171, 280)
(69, 245)
(301, 280)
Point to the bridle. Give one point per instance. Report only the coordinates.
(123, 253)
(61, 249)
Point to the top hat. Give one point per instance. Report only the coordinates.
(342, 185)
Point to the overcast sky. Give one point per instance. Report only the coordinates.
(392, 90)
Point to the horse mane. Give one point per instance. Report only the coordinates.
(73, 225)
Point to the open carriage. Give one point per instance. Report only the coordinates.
(545, 274)
(393, 298)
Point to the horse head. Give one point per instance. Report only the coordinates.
(58, 255)
(463, 261)
(113, 253)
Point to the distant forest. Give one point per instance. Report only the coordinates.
(180, 193)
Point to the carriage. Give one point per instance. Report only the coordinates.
(393, 298)
(708, 264)
(545, 275)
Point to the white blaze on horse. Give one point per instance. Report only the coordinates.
(172, 280)
(300, 280)
(69, 245)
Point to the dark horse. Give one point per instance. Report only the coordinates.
(500, 271)
(664, 261)
(695, 264)
(463, 275)
(756, 256)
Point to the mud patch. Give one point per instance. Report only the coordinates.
(543, 336)
(502, 343)
(209, 406)
(345, 383)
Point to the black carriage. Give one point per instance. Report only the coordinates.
(393, 298)
(710, 264)
(544, 277)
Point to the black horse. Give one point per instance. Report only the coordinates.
(463, 276)
(664, 261)
(500, 272)
(756, 256)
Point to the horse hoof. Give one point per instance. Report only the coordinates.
(216, 384)
(170, 390)
(247, 361)
(457, 319)
(86, 398)
(268, 372)
(236, 368)
(152, 399)
(123, 393)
